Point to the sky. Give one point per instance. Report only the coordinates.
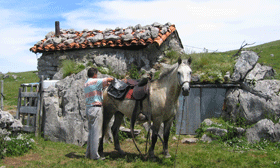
(217, 25)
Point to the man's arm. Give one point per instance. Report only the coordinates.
(110, 79)
(106, 81)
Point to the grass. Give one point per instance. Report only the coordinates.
(71, 67)
(59, 154)
(11, 87)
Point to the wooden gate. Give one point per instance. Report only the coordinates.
(28, 108)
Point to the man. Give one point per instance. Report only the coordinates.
(93, 88)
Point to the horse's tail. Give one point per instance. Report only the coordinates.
(132, 123)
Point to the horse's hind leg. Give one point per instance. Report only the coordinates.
(115, 130)
(166, 133)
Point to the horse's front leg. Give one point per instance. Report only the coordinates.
(115, 130)
(155, 129)
(166, 133)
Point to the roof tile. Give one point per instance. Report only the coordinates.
(71, 39)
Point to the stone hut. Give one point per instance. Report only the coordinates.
(118, 49)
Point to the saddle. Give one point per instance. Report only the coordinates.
(119, 88)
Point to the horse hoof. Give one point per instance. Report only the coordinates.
(153, 158)
(121, 152)
(167, 156)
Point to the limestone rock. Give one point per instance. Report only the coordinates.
(260, 72)
(241, 103)
(216, 131)
(16, 126)
(69, 41)
(117, 62)
(58, 75)
(206, 138)
(264, 129)
(128, 132)
(6, 76)
(227, 76)
(208, 122)
(189, 140)
(64, 108)
(244, 64)
(97, 37)
(6, 119)
(48, 41)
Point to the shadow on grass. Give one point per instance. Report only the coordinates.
(114, 155)
(131, 157)
(74, 155)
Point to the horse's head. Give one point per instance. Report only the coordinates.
(184, 75)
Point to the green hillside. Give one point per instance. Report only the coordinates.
(11, 87)
(221, 62)
(269, 55)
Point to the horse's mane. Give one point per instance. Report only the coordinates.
(166, 71)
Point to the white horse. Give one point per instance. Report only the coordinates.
(163, 97)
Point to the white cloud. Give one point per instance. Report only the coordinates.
(213, 24)
(16, 39)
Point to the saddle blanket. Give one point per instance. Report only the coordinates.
(129, 95)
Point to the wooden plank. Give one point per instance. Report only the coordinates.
(41, 102)
(19, 103)
(28, 128)
(28, 110)
(29, 94)
(38, 118)
(29, 104)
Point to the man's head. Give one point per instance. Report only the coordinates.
(92, 72)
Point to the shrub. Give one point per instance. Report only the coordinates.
(2, 146)
(172, 56)
(71, 67)
(133, 72)
(17, 147)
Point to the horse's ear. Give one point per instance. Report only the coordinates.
(179, 60)
(190, 60)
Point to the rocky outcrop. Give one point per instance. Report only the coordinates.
(264, 129)
(64, 109)
(8, 124)
(244, 64)
(252, 107)
(260, 73)
(257, 98)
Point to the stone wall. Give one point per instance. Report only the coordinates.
(119, 59)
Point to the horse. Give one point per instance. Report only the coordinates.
(162, 105)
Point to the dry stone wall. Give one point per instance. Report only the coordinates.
(118, 59)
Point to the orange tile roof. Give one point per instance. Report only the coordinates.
(69, 39)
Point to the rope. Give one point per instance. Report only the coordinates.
(183, 107)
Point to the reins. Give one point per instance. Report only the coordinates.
(183, 107)
(133, 120)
